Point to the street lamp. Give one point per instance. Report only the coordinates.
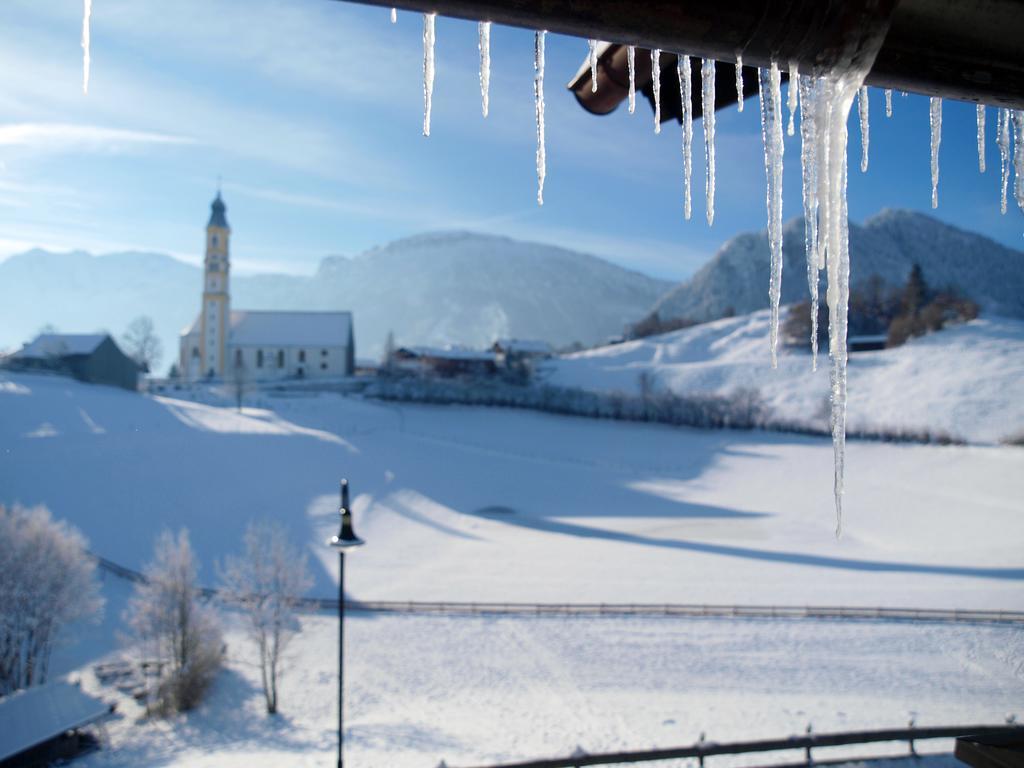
(345, 540)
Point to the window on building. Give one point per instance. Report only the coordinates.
(215, 241)
(238, 358)
(323, 366)
(259, 358)
(280, 358)
(302, 355)
(323, 353)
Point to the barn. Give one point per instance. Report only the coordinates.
(90, 357)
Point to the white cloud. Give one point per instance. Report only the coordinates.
(62, 137)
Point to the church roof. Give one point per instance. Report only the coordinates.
(217, 211)
(290, 329)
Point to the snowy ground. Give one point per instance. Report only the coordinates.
(596, 512)
(967, 380)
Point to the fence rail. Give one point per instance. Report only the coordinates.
(680, 610)
(704, 749)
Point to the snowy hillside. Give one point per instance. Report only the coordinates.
(481, 504)
(887, 244)
(432, 289)
(967, 380)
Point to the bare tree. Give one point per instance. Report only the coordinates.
(388, 361)
(142, 344)
(266, 582)
(47, 581)
(170, 622)
(239, 379)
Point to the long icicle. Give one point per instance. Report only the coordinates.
(656, 87)
(592, 57)
(792, 96)
(631, 63)
(686, 101)
(739, 83)
(888, 102)
(865, 130)
(1003, 141)
(538, 101)
(484, 30)
(86, 44)
(769, 88)
(935, 122)
(809, 166)
(394, 15)
(981, 138)
(1018, 157)
(428, 68)
(707, 106)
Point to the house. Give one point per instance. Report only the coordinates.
(516, 350)
(224, 343)
(447, 362)
(91, 357)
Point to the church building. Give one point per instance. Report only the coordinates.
(228, 344)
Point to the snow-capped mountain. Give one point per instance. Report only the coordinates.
(430, 289)
(735, 280)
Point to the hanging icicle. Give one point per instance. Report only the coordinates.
(394, 15)
(631, 62)
(981, 138)
(656, 86)
(793, 95)
(935, 121)
(739, 83)
(865, 135)
(686, 101)
(707, 106)
(769, 90)
(888, 102)
(809, 165)
(428, 68)
(538, 101)
(1003, 141)
(86, 44)
(484, 31)
(1018, 157)
(592, 56)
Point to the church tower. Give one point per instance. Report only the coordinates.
(215, 314)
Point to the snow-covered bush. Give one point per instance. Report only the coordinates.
(47, 581)
(173, 627)
(266, 582)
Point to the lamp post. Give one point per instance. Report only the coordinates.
(346, 539)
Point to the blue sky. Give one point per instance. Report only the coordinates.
(311, 111)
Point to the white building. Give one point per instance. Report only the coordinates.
(222, 343)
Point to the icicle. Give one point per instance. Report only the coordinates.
(707, 106)
(769, 89)
(685, 100)
(794, 92)
(1018, 157)
(888, 102)
(394, 15)
(981, 138)
(862, 112)
(935, 121)
(428, 68)
(631, 61)
(484, 30)
(656, 86)
(1003, 140)
(86, 58)
(739, 83)
(538, 100)
(809, 166)
(593, 65)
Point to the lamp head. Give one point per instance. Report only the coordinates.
(346, 537)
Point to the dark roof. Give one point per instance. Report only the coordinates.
(217, 210)
(43, 712)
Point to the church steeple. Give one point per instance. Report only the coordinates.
(216, 308)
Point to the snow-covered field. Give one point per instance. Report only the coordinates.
(967, 380)
(595, 511)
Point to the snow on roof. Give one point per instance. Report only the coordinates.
(525, 346)
(61, 344)
(290, 329)
(43, 712)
